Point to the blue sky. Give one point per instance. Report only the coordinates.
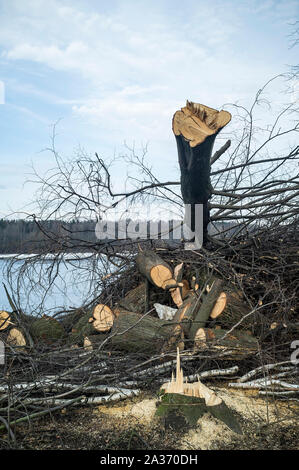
(116, 71)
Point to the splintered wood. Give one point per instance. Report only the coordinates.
(196, 121)
(196, 389)
(176, 293)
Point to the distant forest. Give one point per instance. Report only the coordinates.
(21, 236)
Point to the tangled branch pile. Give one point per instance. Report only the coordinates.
(116, 348)
(230, 307)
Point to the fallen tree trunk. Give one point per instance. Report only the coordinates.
(46, 329)
(81, 329)
(236, 340)
(176, 293)
(70, 319)
(206, 308)
(182, 319)
(195, 312)
(16, 330)
(100, 322)
(230, 306)
(134, 301)
(235, 309)
(133, 332)
(195, 128)
(188, 311)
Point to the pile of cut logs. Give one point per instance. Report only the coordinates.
(132, 325)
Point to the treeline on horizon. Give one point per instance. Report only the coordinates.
(23, 236)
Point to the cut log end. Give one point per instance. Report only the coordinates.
(162, 276)
(176, 296)
(157, 271)
(103, 318)
(195, 122)
(5, 320)
(200, 340)
(219, 305)
(16, 338)
(93, 342)
(87, 344)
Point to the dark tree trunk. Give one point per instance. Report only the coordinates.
(196, 127)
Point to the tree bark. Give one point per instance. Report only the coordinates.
(134, 301)
(83, 327)
(206, 308)
(46, 329)
(236, 340)
(137, 333)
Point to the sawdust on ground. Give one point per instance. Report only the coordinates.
(209, 431)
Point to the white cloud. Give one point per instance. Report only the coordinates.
(75, 55)
(99, 46)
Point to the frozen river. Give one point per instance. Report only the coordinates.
(73, 280)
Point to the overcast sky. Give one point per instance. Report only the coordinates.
(117, 70)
